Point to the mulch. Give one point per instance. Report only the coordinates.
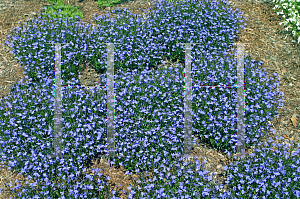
(278, 49)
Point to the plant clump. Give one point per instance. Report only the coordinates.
(149, 115)
(59, 8)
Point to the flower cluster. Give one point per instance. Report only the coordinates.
(149, 113)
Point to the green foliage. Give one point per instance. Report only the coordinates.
(172, 1)
(107, 3)
(290, 11)
(53, 2)
(58, 7)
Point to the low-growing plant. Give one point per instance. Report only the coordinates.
(53, 2)
(107, 3)
(59, 9)
(149, 115)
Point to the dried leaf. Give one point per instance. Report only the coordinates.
(294, 120)
(285, 136)
(292, 138)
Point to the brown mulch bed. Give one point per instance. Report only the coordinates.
(271, 43)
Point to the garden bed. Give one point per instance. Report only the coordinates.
(270, 43)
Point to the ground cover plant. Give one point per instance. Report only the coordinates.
(105, 3)
(140, 94)
(58, 7)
